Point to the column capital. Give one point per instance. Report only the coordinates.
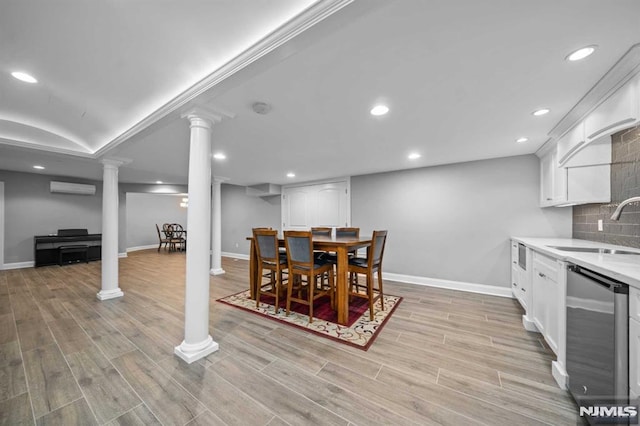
(115, 162)
(220, 179)
(205, 116)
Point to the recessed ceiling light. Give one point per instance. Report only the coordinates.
(520, 140)
(219, 156)
(159, 182)
(291, 174)
(23, 76)
(414, 156)
(379, 110)
(541, 111)
(581, 53)
(39, 167)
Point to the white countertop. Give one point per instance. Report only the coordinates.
(623, 267)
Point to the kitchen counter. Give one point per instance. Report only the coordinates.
(623, 267)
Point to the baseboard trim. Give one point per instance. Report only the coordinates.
(451, 285)
(559, 374)
(235, 255)
(138, 248)
(122, 254)
(19, 265)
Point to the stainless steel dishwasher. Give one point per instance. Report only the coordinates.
(597, 336)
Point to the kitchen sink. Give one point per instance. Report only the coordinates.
(594, 250)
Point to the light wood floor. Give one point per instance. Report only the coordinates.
(445, 357)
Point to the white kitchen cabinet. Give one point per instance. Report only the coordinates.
(553, 180)
(561, 186)
(634, 303)
(619, 111)
(546, 299)
(634, 356)
(591, 184)
(571, 142)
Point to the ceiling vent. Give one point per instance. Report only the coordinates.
(261, 108)
(72, 188)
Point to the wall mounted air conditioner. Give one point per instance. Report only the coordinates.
(72, 188)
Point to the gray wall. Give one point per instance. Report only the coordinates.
(454, 222)
(240, 213)
(145, 210)
(625, 183)
(31, 209)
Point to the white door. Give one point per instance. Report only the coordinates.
(1, 225)
(323, 204)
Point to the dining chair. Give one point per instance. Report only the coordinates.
(301, 262)
(270, 259)
(321, 231)
(162, 240)
(349, 232)
(176, 235)
(369, 266)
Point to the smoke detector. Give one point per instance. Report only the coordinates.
(261, 108)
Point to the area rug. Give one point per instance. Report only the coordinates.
(359, 333)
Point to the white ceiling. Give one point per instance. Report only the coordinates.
(461, 78)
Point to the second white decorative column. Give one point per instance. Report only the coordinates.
(197, 341)
(110, 287)
(216, 237)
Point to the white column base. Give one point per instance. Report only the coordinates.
(217, 271)
(190, 353)
(558, 372)
(109, 294)
(528, 324)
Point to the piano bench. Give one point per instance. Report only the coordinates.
(79, 249)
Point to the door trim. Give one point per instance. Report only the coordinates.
(345, 179)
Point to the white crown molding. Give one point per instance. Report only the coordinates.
(284, 33)
(52, 149)
(621, 72)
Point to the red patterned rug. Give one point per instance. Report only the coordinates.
(359, 332)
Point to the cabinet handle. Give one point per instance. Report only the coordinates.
(514, 246)
(540, 274)
(515, 285)
(523, 289)
(549, 199)
(514, 262)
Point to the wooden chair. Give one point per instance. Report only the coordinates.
(162, 240)
(301, 262)
(369, 266)
(269, 258)
(176, 235)
(350, 232)
(321, 231)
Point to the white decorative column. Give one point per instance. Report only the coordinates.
(197, 341)
(110, 289)
(216, 228)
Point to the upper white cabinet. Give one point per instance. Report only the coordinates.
(553, 180)
(570, 143)
(617, 112)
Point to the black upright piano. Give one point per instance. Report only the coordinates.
(67, 246)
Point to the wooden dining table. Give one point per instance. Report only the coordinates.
(341, 246)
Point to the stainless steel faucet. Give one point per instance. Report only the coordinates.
(616, 214)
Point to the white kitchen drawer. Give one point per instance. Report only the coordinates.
(548, 264)
(634, 303)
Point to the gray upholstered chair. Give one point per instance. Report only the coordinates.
(269, 258)
(369, 266)
(302, 263)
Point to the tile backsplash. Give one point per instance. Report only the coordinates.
(625, 183)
